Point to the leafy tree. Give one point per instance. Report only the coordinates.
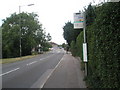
(49, 37)
(29, 27)
(31, 34)
(10, 34)
(90, 14)
(69, 33)
(63, 45)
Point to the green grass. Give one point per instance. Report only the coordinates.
(11, 60)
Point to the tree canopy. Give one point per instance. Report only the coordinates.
(69, 33)
(90, 14)
(31, 34)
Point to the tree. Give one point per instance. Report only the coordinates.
(10, 34)
(49, 37)
(90, 14)
(31, 34)
(69, 33)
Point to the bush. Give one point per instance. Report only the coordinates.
(46, 49)
(79, 45)
(34, 53)
(73, 48)
(103, 47)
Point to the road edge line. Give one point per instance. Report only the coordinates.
(52, 72)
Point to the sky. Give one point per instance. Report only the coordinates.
(53, 14)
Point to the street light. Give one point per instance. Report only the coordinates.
(30, 4)
(20, 24)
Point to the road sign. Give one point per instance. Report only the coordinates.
(84, 52)
(78, 20)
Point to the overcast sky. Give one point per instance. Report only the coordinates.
(53, 14)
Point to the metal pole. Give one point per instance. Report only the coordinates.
(20, 28)
(84, 31)
(84, 27)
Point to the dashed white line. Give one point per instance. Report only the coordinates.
(9, 71)
(37, 61)
(46, 57)
(31, 63)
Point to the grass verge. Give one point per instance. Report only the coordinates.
(11, 60)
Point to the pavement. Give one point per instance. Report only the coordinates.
(67, 74)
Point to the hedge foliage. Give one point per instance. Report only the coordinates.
(103, 39)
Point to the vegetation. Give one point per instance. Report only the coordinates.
(0, 42)
(103, 37)
(11, 60)
(103, 45)
(32, 35)
(69, 33)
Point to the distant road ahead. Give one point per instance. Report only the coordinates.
(31, 73)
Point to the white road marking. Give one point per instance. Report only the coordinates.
(40, 82)
(9, 71)
(31, 63)
(58, 52)
(37, 61)
(43, 79)
(50, 73)
(46, 57)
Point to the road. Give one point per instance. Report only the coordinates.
(31, 73)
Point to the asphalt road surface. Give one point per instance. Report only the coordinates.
(31, 73)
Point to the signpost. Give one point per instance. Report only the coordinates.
(80, 23)
(85, 52)
(78, 20)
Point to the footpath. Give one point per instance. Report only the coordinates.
(68, 74)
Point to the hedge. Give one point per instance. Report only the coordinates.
(103, 47)
(103, 39)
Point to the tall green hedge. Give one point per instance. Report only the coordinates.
(73, 48)
(79, 43)
(103, 39)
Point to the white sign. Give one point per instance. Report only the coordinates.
(78, 20)
(84, 52)
(113, 0)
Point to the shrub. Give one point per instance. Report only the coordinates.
(103, 47)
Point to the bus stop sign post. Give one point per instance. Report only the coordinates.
(80, 23)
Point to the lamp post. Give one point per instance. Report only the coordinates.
(20, 24)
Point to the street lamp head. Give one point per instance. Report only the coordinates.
(30, 4)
